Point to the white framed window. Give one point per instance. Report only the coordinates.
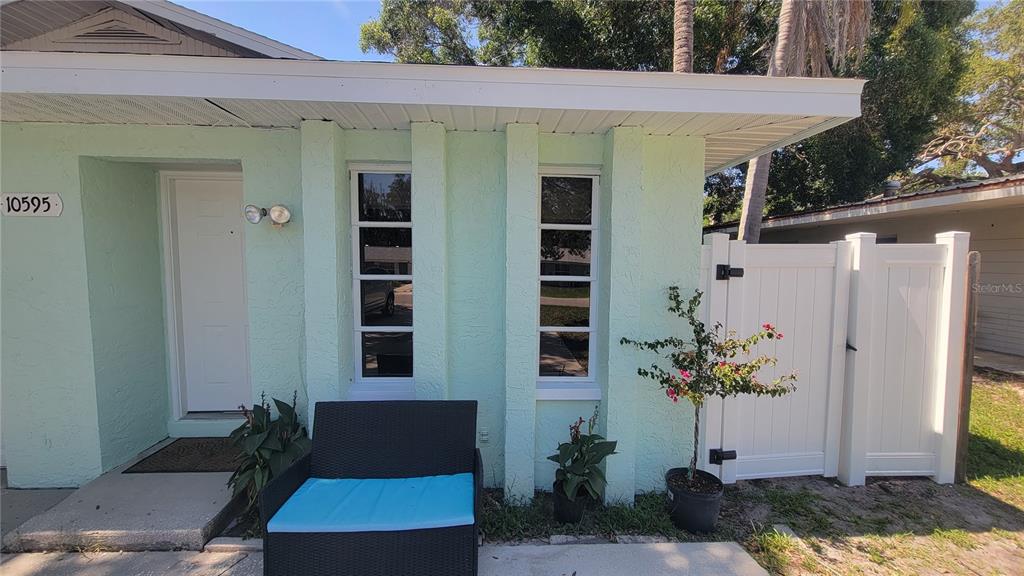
(567, 267)
(382, 287)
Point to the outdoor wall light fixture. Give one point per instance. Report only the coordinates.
(278, 214)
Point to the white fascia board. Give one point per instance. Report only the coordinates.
(220, 29)
(890, 209)
(385, 83)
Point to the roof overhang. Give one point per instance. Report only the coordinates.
(740, 117)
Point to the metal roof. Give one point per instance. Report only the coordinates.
(1015, 183)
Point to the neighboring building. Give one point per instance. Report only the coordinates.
(455, 232)
(991, 210)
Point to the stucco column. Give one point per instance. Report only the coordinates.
(624, 161)
(325, 224)
(429, 261)
(522, 299)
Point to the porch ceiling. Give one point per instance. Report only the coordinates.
(740, 117)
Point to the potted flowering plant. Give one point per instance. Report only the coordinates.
(702, 367)
(579, 477)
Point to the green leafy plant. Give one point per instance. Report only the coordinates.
(706, 365)
(268, 446)
(579, 459)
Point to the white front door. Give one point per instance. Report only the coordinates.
(213, 331)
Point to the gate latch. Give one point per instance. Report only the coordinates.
(718, 455)
(724, 272)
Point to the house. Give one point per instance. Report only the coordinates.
(991, 210)
(416, 232)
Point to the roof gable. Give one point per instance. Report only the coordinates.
(150, 27)
(114, 30)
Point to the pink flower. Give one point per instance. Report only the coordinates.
(685, 374)
(767, 326)
(778, 336)
(671, 393)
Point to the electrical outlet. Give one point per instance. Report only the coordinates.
(485, 436)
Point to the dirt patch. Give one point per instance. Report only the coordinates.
(909, 526)
(902, 525)
(1007, 380)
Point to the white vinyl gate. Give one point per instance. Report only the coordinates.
(875, 334)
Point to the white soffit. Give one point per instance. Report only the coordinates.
(739, 116)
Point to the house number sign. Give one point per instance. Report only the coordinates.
(31, 205)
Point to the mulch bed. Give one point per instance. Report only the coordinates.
(190, 455)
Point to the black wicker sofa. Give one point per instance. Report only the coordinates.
(389, 489)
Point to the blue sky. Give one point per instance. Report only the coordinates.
(324, 27)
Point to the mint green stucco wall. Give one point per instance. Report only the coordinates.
(672, 213)
(48, 375)
(476, 285)
(50, 412)
(479, 254)
(120, 203)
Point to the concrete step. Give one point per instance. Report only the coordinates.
(127, 512)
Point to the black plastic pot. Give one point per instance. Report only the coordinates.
(695, 512)
(568, 511)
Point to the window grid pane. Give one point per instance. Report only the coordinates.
(386, 302)
(566, 281)
(565, 252)
(565, 304)
(383, 277)
(385, 197)
(386, 354)
(566, 200)
(385, 250)
(564, 354)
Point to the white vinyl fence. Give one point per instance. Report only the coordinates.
(876, 336)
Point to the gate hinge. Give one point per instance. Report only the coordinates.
(718, 455)
(724, 272)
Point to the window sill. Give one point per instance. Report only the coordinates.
(568, 391)
(390, 389)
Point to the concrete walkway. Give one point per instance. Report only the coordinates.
(999, 361)
(678, 559)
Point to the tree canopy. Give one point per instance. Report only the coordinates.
(728, 36)
(982, 135)
(916, 51)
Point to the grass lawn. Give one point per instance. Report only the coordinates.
(890, 526)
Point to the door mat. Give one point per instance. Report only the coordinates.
(190, 455)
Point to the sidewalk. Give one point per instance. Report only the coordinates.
(676, 559)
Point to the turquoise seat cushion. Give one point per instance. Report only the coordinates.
(377, 505)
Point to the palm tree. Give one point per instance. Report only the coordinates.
(682, 36)
(815, 37)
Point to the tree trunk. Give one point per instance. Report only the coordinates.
(757, 169)
(682, 36)
(696, 443)
(753, 199)
(732, 31)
